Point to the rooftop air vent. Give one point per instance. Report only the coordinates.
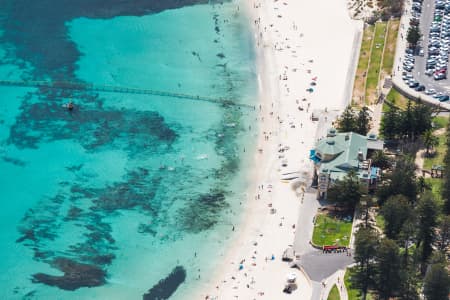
(331, 132)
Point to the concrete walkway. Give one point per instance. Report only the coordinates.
(317, 266)
(336, 279)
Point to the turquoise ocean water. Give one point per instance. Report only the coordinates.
(106, 201)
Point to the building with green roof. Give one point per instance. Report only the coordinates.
(338, 153)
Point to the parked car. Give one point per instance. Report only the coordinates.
(444, 98)
(413, 84)
(408, 68)
(430, 92)
(420, 88)
(439, 76)
(438, 95)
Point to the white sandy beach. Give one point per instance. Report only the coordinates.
(298, 42)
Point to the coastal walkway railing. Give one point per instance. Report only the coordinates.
(117, 89)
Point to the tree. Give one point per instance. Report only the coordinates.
(407, 235)
(413, 35)
(423, 119)
(393, 7)
(347, 121)
(401, 181)
(388, 267)
(446, 184)
(437, 280)
(422, 185)
(380, 160)
(443, 235)
(390, 123)
(366, 245)
(346, 191)
(414, 121)
(427, 213)
(408, 124)
(363, 121)
(395, 211)
(429, 140)
(408, 289)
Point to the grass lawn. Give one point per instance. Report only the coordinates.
(440, 122)
(375, 61)
(353, 294)
(380, 221)
(366, 46)
(330, 231)
(391, 42)
(363, 64)
(334, 294)
(396, 99)
(436, 188)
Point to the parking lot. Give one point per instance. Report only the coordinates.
(428, 8)
(425, 68)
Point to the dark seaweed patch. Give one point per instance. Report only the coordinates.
(76, 275)
(166, 286)
(29, 295)
(73, 213)
(14, 161)
(74, 168)
(147, 229)
(93, 126)
(202, 213)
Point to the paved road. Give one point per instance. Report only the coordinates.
(319, 265)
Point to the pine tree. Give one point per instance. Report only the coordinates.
(346, 191)
(446, 182)
(388, 268)
(390, 123)
(429, 140)
(413, 35)
(423, 118)
(395, 211)
(408, 124)
(427, 213)
(363, 121)
(347, 121)
(443, 234)
(366, 246)
(401, 181)
(380, 160)
(437, 279)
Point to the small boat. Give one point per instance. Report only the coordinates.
(69, 106)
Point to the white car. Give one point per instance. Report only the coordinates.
(430, 91)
